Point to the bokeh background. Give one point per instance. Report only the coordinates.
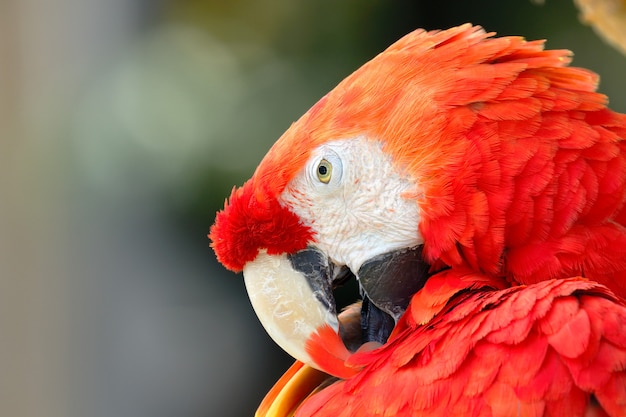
(123, 126)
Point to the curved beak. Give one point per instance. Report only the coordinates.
(292, 296)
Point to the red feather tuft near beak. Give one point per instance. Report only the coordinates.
(247, 225)
(289, 285)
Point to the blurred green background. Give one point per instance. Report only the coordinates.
(124, 125)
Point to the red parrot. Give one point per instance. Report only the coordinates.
(475, 186)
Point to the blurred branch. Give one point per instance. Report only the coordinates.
(608, 19)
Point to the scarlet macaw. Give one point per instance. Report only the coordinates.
(475, 186)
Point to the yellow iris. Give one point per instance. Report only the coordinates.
(324, 171)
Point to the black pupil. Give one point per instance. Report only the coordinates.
(322, 170)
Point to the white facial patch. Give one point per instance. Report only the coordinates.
(354, 199)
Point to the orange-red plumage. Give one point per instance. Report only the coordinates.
(537, 350)
(252, 222)
(520, 173)
(520, 166)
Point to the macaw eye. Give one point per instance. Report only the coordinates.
(324, 171)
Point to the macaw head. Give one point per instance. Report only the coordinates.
(388, 178)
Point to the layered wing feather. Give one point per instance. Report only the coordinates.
(529, 180)
(556, 348)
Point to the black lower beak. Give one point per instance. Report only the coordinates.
(388, 282)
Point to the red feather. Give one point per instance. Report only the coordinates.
(540, 350)
(250, 222)
(520, 173)
(520, 168)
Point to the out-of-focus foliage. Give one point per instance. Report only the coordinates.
(123, 127)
